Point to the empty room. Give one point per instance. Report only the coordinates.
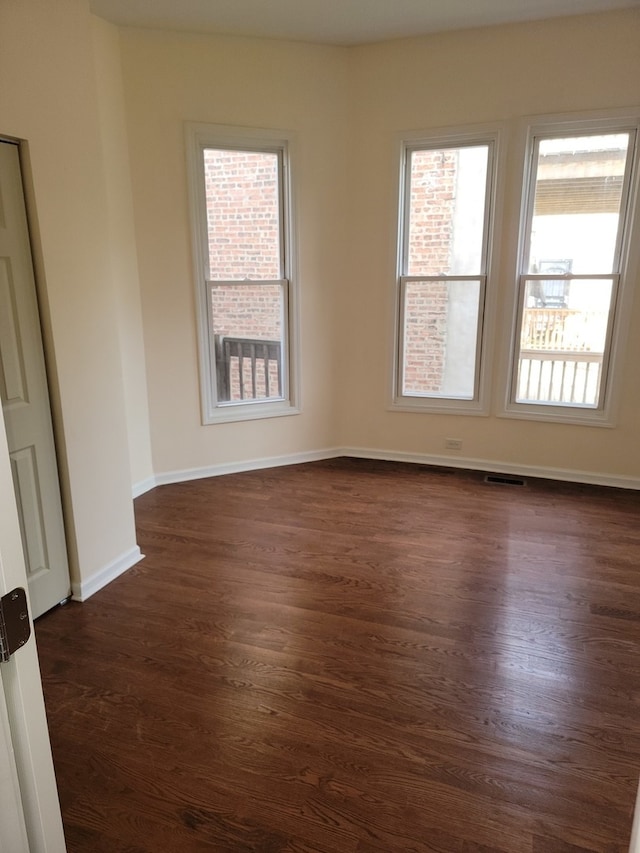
(320, 461)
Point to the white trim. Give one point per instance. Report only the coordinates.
(246, 465)
(531, 130)
(448, 407)
(199, 136)
(253, 410)
(634, 846)
(86, 588)
(493, 135)
(496, 466)
(577, 415)
(143, 486)
(468, 463)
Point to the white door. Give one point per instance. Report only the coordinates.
(30, 819)
(25, 399)
(13, 832)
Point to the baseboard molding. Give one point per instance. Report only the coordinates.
(489, 465)
(144, 486)
(245, 465)
(86, 588)
(492, 466)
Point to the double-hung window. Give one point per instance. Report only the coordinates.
(574, 244)
(446, 206)
(244, 260)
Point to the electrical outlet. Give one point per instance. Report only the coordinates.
(453, 444)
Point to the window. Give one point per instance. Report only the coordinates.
(574, 244)
(447, 189)
(241, 200)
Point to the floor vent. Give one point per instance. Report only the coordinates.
(503, 480)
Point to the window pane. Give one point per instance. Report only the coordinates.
(440, 337)
(578, 194)
(243, 214)
(247, 326)
(447, 200)
(562, 347)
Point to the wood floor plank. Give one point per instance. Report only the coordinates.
(356, 657)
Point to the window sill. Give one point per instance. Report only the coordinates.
(438, 407)
(249, 412)
(558, 415)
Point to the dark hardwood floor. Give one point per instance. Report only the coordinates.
(356, 657)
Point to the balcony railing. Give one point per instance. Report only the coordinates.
(248, 368)
(560, 356)
(560, 361)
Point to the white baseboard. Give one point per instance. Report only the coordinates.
(489, 465)
(144, 486)
(492, 466)
(86, 588)
(245, 465)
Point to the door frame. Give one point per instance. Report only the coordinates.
(29, 416)
(22, 688)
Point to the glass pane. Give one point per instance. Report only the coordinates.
(440, 336)
(578, 194)
(243, 214)
(447, 200)
(562, 347)
(247, 325)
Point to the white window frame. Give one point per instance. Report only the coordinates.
(198, 137)
(626, 259)
(449, 138)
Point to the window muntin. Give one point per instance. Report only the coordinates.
(241, 200)
(575, 229)
(443, 266)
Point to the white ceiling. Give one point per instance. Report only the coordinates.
(340, 22)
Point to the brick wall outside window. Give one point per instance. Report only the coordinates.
(242, 196)
(243, 214)
(432, 203)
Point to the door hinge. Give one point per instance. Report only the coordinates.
(15, 627)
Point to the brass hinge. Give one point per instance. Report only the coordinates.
(15, 628)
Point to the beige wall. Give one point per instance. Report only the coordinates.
(48, 98)
(348, 107)
(494, 74)
(122, 248)
(170, 79)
